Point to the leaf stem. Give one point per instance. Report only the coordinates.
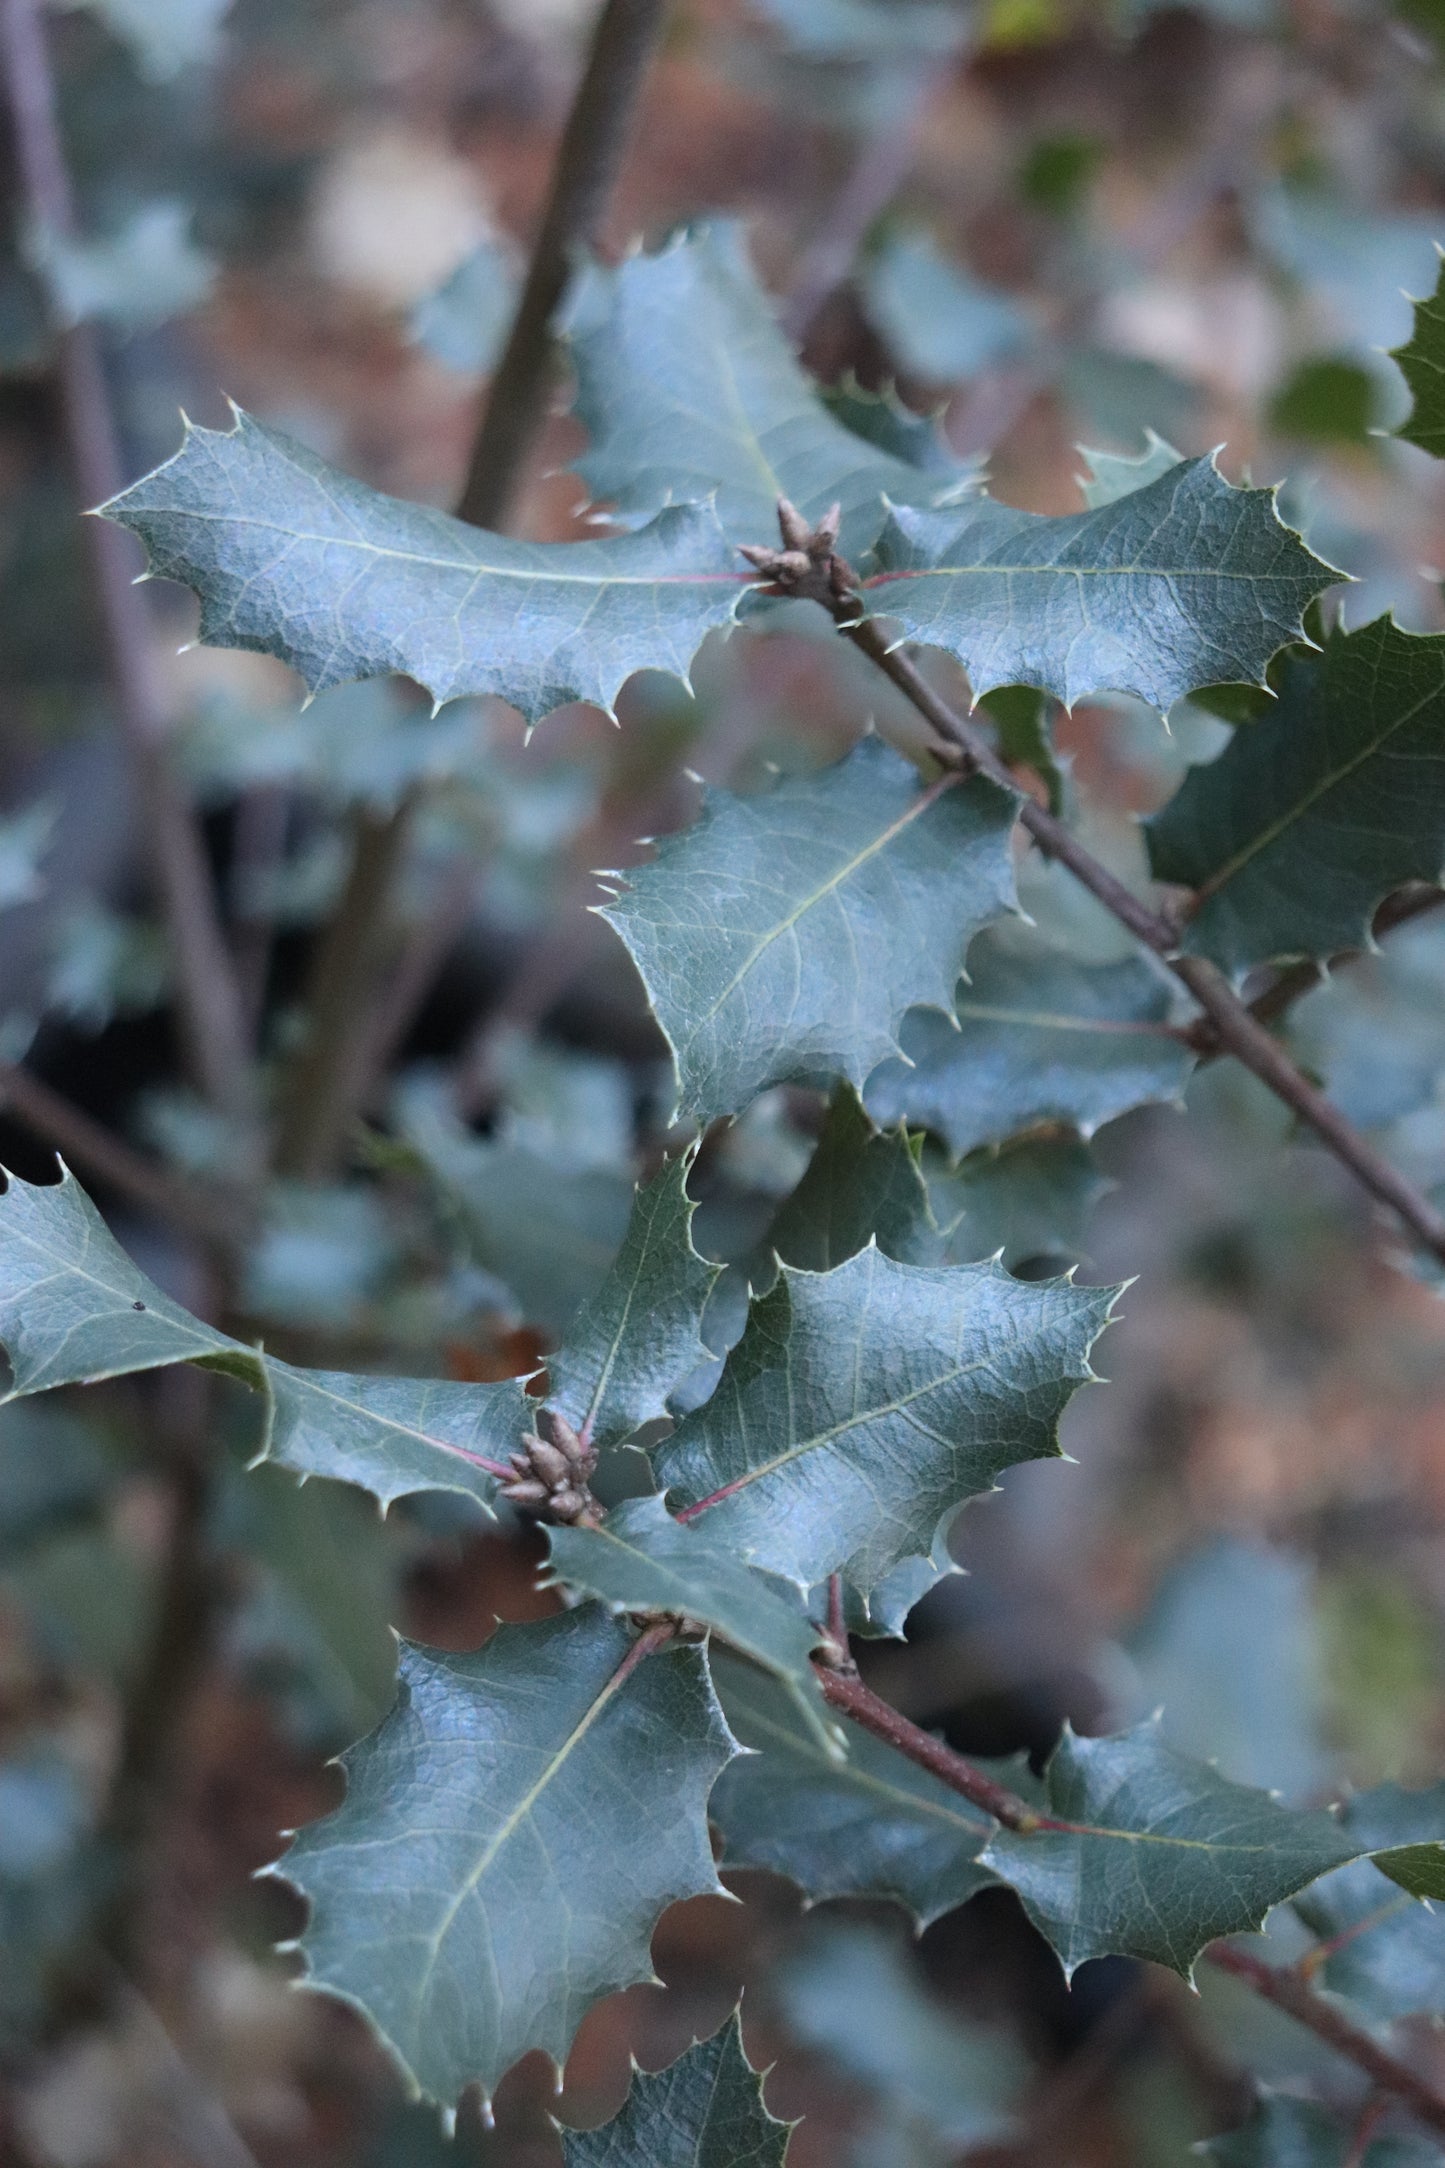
(590, 152)
(212, 1014)
(1237, 1030)
(848, 1694)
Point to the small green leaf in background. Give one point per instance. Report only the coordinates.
(1418, 1868)
(1184, 582)
(1287, 2132)
(704, 2111)
(1385, 1951)
(1041, 1038)
(1162, 1854)
(1422, 364)
(1313, 814)
(862, 1406)
(463, 324)
(861, 1184)
(165, 36)
(1330, 399)
(782, 937)
(136, 278)
(1022, 719)
(297, 560)
(509, 1839)
(873, 1825)
(24, 841)
(1029, 1198)
(639, 1335)
(640, 1559)
(688, 389)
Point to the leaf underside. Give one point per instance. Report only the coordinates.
(509, 1838)
(294, 559)
(782, 937)
(1320, 808)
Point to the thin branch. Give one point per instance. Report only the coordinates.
(1282, 1986)
(588, 157)
(1238, 1032)
(106, 1156)
(211, 1011)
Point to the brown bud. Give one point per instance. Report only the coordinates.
(825, 534)
(794, 527)
(558, 1431)
(570, 1505)
(529, 1493)
(549, 1464)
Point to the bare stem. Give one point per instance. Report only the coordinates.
(211, 1011)
(846, 1691)
(588, 157)
(1237, 1031)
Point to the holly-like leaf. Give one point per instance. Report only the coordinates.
(873, 1825)
(705, 2111)
(1318, 810)
(689, 390)
(861, 1184)
(393, 1436)
(1111, 475)
(782, 937)
(881, 419)
(74, 1309)
(1160, 1855)
(638, 1336)
(1386, 1950)
(1421, 362)
(295, 559)
(1184, 583)
(509, 1838)
(1287, 2132)
(1040, 1038)
(1341, 803)
(1030, 1198)
(640, 1559)
(862, 1406)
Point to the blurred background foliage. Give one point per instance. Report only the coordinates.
(1042, 222)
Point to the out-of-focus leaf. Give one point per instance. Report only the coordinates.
(1376, 1033)
(165, 36)
(881, 419)
(24, 841)
(465, 321)
(704, 2111)
(54, 1471)
(104, 965)
(321, 1253)
(150, 270)
(939, 320)
(45, 1888)
(862, 1406)
(853, 1994)
(1288, 2132)
(1328, 400)
(872, 1825)
(509, 1838)
(1357, 265)
(1108, 476)
(1387, 1950)
(1040, 1039)
(1183, 583)
(1022, 719)
(866, 29)
(782, 937)
(1314, 813)
(1161, 1854)
(1031, 1197)
(688, 389)
(1229, 1650)
(1422, 364)
(638, 1336)
(642, 1560)
(295, 559)
(861, 1184)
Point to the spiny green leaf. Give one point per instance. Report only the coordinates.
(1161, 1856)
(862, 1406)
(1183, 583)
(509, 1838)
(1028, 1198)
(638, 1336)
(641, 1560)
(1041, 1038)
(705, 2111)
(1315, 812)
(1389, 1949)
(73, 1309)
(1112, 475)
(1422, 364)
(688, 390)
(860, 1184)
(295, 559)
(1287, 2132)
(782, 937)
(874, 1825)
(881, 419)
